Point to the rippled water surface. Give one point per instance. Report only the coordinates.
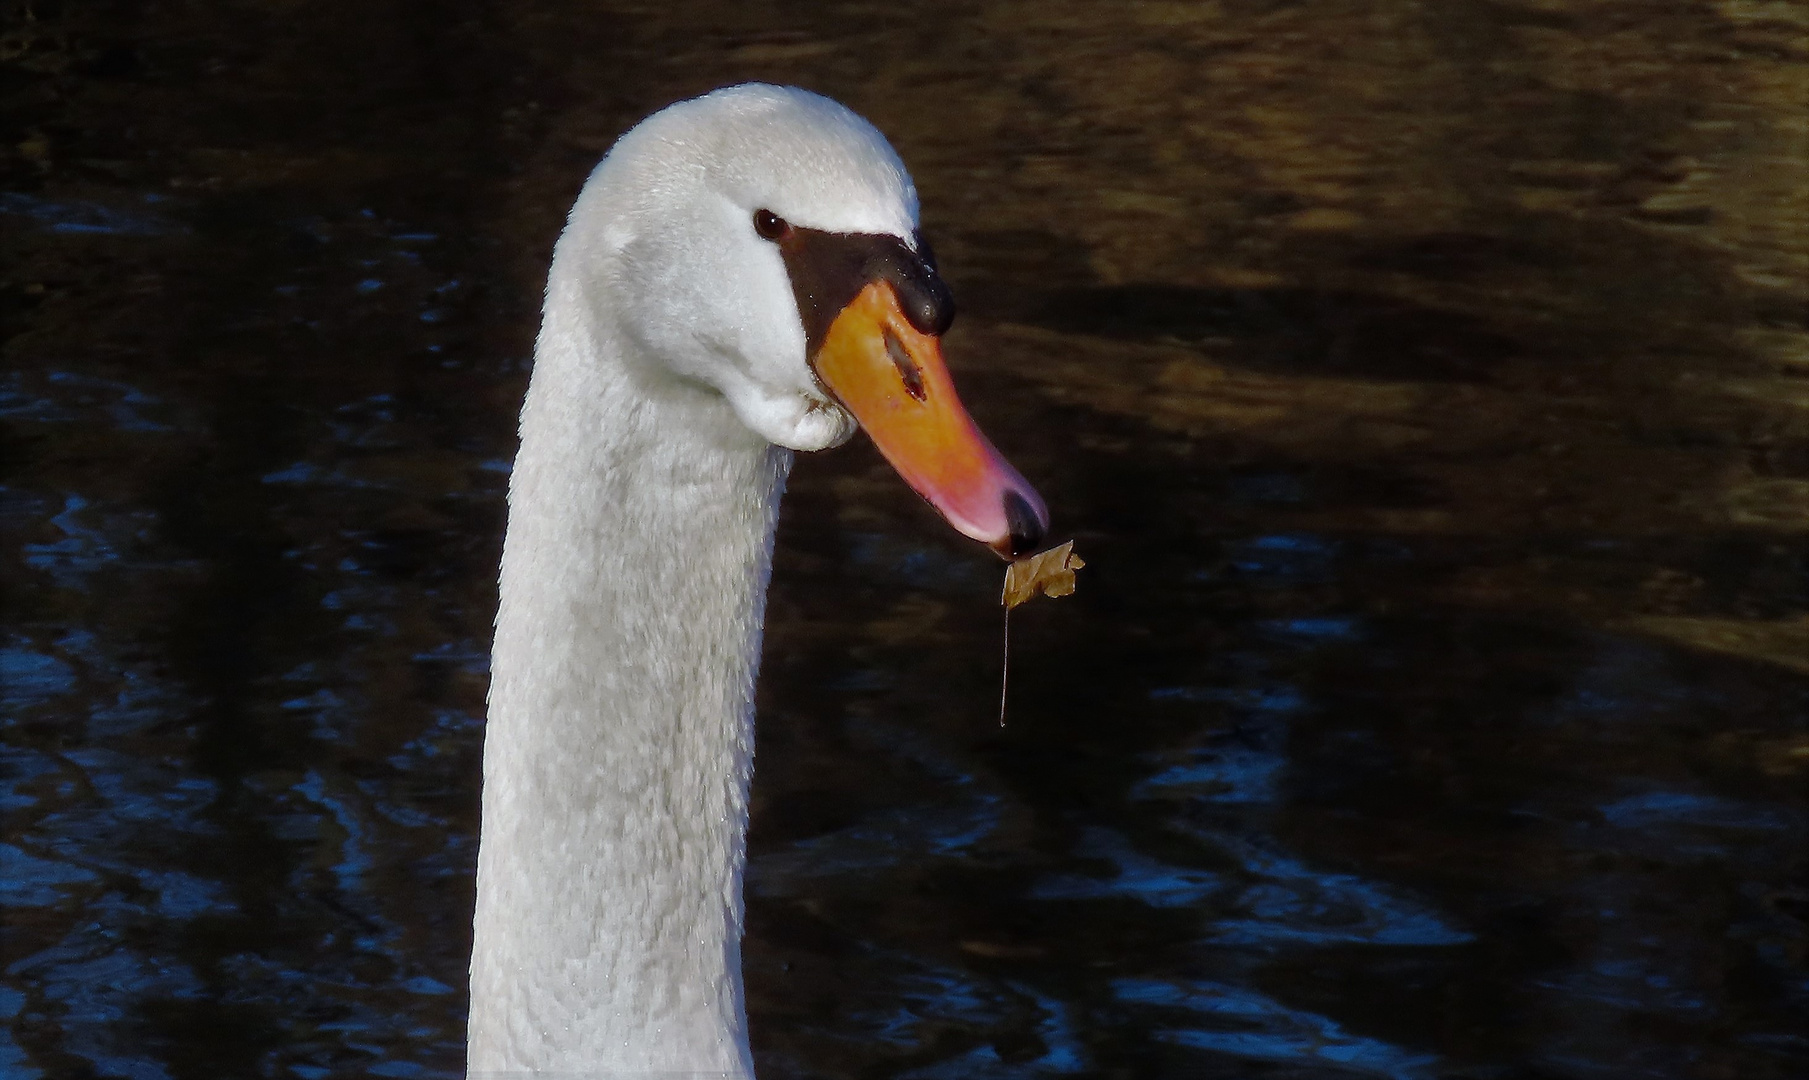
(1425, 384)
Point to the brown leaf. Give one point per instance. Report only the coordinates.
(1050, 572)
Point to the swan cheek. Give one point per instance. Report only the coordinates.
(789, 418)
(891, 376)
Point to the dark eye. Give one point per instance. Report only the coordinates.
(770, 225)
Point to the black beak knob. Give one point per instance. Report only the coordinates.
(1027, 530)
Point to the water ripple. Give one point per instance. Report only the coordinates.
(1238, 1022)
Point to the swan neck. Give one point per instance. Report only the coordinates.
(619, 745)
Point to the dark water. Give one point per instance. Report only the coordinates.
(1426, 386)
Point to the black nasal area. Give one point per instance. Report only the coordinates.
(828, 270)
(927, 304)
(1026, 530)
(922, 293)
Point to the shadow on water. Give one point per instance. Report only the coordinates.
(1359, 335)
(1424, 388)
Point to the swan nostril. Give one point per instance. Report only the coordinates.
(907, 367)
(1027, 529)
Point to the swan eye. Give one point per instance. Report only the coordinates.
(770, 225)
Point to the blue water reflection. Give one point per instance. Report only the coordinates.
(1241, 1023)
(1135, 876)
(1671, 810)
(1230, 775)
(28, 881)
(1264, 898)
(85, 549)
(1285, 559)
(75, 218)
(1062, 1050)
(31, 678)
(1283, 901)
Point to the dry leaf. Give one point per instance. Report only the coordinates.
(1050, 572)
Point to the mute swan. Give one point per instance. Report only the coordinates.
(740, 278)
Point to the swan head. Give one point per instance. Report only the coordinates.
(765, 242)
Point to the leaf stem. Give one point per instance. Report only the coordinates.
(1005, 666)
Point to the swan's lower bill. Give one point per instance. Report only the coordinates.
(892, 377)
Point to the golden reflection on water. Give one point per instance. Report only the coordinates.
(1620, 191)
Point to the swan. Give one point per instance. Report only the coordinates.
(740, 278)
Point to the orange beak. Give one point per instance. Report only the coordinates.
(892, 378)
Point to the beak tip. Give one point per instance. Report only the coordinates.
(1027, 522)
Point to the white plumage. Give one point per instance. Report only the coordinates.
(670, 386)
